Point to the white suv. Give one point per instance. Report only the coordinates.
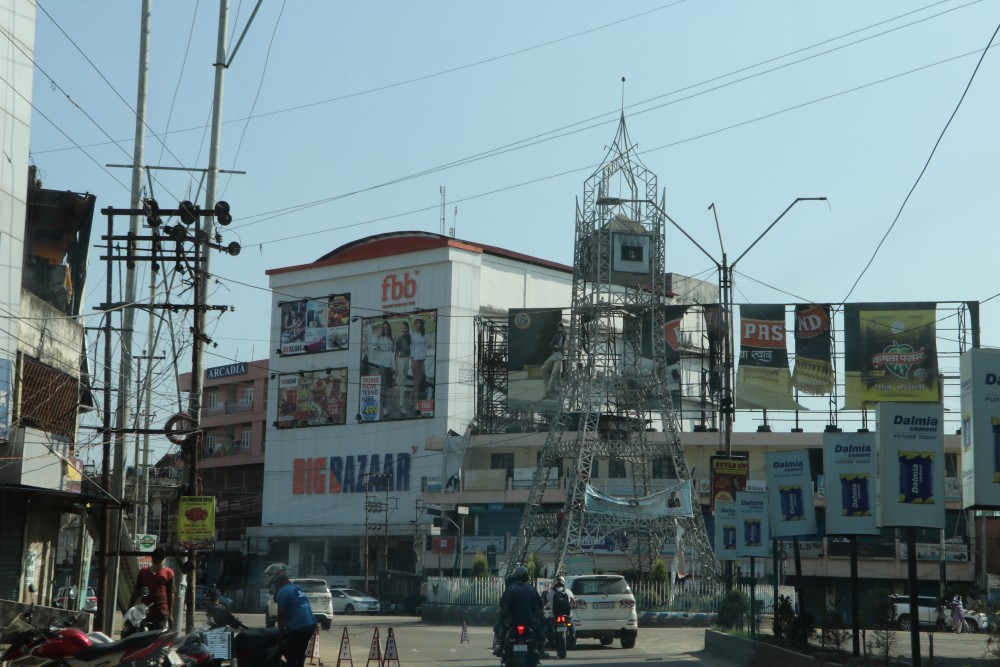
(319, 599)
(605, 608)
(928, 608)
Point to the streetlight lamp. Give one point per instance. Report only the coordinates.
(727, 403)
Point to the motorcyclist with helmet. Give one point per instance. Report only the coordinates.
(296, 623)
(522, 605)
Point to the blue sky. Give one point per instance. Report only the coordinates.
(337, 112)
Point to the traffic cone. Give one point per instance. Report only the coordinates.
(465, 633)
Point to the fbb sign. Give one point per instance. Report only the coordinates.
(398, 291)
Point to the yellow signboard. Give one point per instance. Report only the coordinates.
(196, 522)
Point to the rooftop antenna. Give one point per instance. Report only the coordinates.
(441, 190)
(454, 223)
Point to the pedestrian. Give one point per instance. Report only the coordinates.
(157, 581)
(296, 623)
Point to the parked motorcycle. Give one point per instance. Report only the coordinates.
(64, 646)
(520, 648)
(252, 647)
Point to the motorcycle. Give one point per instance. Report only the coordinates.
(519, 648)
(562, 633)
(64, 646)
(192, 648)
(251, 647)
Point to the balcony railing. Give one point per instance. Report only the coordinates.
(238, 408)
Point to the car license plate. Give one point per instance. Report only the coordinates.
(604, 605)
(562, 629)
(520, 648)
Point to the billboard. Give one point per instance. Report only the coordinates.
(979, 371)
(911, 464)
(763, 379)
(813, 366)
(790, 494)
(753, 533)
(850, 466)
(890, 354)
(536, 343)
(315, 325)
(196, 522)
(672, 501)
(312, 398)
(726, 523)
(397, 366)
(729, 476)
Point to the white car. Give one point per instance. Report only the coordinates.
(605, 608)
(352, 601)
(319, 599)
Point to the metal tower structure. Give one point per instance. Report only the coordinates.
(609, 399)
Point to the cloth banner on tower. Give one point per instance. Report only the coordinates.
(671, 501)
(890, 354)
(763, 380)
(813, 372)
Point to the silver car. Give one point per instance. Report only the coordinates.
(352, 601)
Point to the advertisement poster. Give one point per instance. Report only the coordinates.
(890, 354)
(850, 467)
(763, 379)
(911, 464)
(196, 522)
(813, 366)
(397, 366)
(673, 501)
(726, 523)
(979, 370)
(315, 325)
(790, 494)
(753, 532)
(536, 344)
(312, 398)
(669, 336)
(729, 476)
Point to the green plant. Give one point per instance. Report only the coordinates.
(733, 610)
(480, 566)
(834, 634)
(534, 566)
(784, 615)
(659, 572)
(802, 629)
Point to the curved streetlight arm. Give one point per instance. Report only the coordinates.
(769, 227)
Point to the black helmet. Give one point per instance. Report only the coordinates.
(521, 574)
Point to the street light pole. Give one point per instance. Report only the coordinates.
(727, 404)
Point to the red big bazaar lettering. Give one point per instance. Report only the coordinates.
(394, 289)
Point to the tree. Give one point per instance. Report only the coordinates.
(480, 566)
(534, 566)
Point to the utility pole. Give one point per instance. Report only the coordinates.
(141, 480)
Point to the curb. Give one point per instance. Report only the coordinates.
(447, 614)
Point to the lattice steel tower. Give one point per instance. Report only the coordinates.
(608, 398)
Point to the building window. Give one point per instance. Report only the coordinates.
(503, 462)
(211, 400)
(663, 468)
(248, 396)
(211, 444)
(616, 468)
(245, 439)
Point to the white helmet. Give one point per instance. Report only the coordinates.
(559, 581)
(274, 572)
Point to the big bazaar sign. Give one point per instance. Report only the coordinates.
(351, 474)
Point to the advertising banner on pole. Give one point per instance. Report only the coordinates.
(890, 354)
(196, 522)
(753, 534)
(726, 523)
(763, 379)
(911, 464)
(850, 466)
(813, 372)
(790, 494)
(979, 370)
(536, 343)
(729, 476)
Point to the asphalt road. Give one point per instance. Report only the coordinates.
(422, 644)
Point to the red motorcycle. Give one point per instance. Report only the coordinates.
(64, 646)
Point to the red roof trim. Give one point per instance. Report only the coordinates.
(398, 243)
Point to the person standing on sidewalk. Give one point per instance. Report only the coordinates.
(158, 581)
(296, 623)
